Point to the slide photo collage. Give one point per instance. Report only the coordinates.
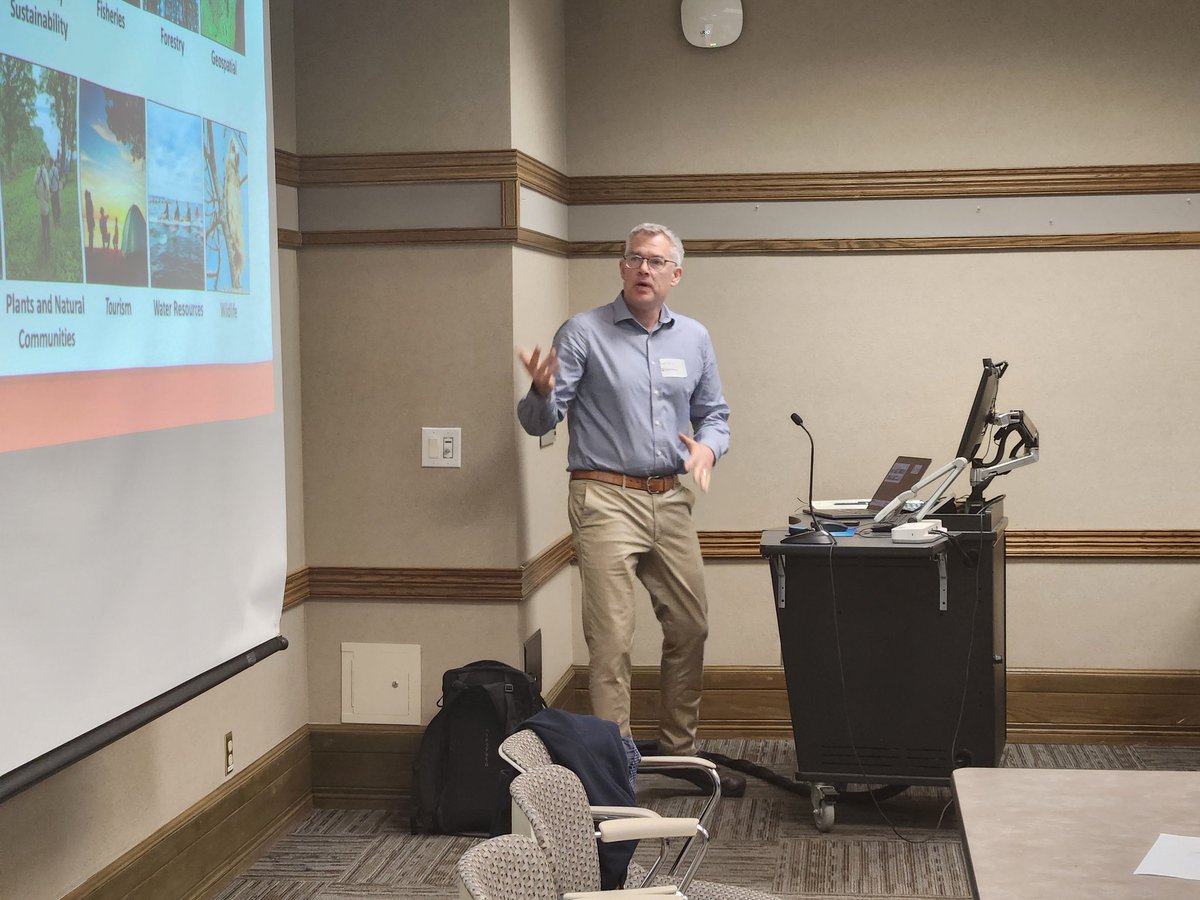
(103, 187)
(223, 21)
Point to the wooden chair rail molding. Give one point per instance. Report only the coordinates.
(513, 585)
(885, 185)
(513, 169)
(289, 239)
(1160, 240)
(500, 165)
(1138, 545)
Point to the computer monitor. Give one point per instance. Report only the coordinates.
(981, 412)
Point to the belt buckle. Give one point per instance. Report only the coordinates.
(662, 481)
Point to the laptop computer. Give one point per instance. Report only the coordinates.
(902, 475)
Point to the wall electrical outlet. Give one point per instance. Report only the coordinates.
(229, 753)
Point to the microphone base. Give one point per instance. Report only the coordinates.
(797, 535)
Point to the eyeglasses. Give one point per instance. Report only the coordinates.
(656, 263)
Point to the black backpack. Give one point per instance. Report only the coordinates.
(458, 775)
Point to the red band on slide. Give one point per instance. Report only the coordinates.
(41, 410)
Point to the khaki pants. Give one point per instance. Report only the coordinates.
(621, 534)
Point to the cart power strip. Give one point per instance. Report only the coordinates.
(917, 532)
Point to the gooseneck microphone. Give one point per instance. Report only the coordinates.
(812, 458)
(796, 537)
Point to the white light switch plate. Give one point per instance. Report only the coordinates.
(441, 448)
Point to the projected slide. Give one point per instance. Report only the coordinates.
(134, 232)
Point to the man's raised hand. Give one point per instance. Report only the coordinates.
(541, 370)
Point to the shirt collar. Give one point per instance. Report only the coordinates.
(621, 312)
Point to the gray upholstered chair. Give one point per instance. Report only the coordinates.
(553, 806)
(508, 867)
(524, 751)
(513, 867)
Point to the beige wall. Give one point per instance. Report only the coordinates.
(395, 76)
(859, 85)
(881, 354)
(395, 339)
(538, 80)
(539, 304)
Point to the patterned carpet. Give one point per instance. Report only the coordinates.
(766, 840)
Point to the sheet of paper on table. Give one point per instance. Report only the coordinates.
(1173, 855)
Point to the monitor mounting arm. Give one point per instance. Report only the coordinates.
(950, 470)
(982, 472)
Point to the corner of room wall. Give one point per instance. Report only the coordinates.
(540, 304)
(537, 40)
(283, 72)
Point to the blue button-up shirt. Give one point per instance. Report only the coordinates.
(627, 393)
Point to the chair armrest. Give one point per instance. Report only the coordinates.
(659, 890)
(641, 829)
(650, 763)
(622, 812)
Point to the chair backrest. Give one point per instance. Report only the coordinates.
(524, 750)
(508, 867)
(556, 806)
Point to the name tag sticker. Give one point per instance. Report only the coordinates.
(673, 368)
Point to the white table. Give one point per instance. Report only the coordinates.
(1062, 834)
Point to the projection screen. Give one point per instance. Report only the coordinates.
(142, 555)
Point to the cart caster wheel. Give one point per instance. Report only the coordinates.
(823, 817)
(822, 798)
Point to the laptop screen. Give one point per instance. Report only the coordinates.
(904, 473)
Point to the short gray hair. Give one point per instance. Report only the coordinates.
(651, 228)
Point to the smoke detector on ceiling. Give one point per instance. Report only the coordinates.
(711, 23)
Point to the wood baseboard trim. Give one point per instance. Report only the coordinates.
(1044, 705)
(369, 766)
(357, 766)
(1104, 706)
(191, 856)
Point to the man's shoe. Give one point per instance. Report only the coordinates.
(732, 784)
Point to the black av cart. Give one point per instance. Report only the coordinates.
(893, 653)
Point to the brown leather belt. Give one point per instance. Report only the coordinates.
(655, 484)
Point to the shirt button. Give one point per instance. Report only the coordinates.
(658, 423)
